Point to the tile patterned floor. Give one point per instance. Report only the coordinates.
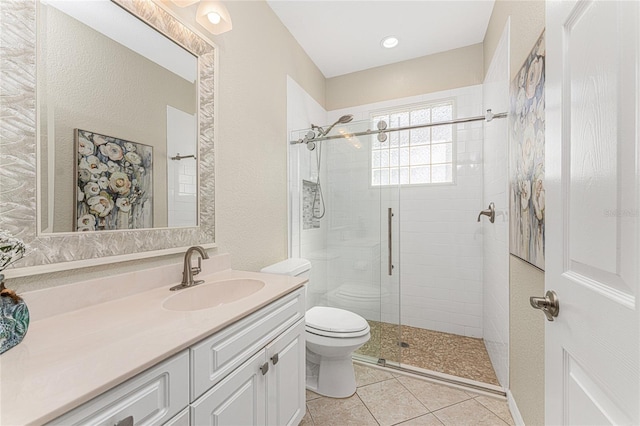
(385, 398)
(432, 350)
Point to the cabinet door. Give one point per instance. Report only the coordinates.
(238, 399)
(285, 383)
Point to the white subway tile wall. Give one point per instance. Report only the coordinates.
(496, 241)
(440, 255)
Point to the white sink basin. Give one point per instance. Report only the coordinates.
(209, 295)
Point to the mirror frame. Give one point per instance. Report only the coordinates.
(19, 188)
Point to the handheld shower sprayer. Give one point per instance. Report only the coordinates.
(342, 120)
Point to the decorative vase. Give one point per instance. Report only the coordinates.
(14, 318)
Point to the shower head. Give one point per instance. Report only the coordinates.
(342, 120)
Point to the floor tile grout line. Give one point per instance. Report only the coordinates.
(446, 406)
(496, 414)
(367, 407)
(434, 412)
(417, 399)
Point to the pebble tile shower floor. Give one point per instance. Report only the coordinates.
(431, 350)
(389, 398)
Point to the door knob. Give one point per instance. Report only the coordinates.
(491, 212)
(548, 304)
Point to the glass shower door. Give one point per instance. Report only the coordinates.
(340, 222)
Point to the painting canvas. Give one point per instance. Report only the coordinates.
(114, 186)
(526, 140)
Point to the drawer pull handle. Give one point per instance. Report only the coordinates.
(274, 359)
(125, 422)
(264, 368)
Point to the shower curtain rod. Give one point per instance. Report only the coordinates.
(487, 117)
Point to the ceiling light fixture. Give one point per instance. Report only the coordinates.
(389, 42)
(211, 14)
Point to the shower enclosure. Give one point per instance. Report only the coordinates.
(388, 221)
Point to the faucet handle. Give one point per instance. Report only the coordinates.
(196, 270)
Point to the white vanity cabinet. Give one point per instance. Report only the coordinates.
(268, 389)
(253, 372)
(250, 373)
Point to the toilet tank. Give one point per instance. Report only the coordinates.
(295, 267)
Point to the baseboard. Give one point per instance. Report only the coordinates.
(513, 407)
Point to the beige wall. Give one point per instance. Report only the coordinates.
(441, 71)
(527, 23)
(251, 148)
(86, 87)
(526, 341)
(526, 325)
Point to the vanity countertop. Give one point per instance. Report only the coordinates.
(69, 358)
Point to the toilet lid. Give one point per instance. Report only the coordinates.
(334, 320)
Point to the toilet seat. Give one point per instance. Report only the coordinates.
(334, 322)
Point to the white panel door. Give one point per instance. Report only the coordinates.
(286, 398)
(237, 400)
(593, 212)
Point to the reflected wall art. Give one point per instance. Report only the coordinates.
(113, 183)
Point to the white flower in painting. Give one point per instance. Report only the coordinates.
(522, 77)
(99, 140)
(93, 164)
(100, 205)
(525, 193)
(120, 183)
(123, 204)
(133, 158)
(80, 194)
(520, 103)
(534, 76)
(112, 150)
(540, 109)
(541, 47)
(84, 175)
(85, 147)
(113, 167)
(539, 144)
(538, 192)
(103, 182)
(91, 189)
(129, 147)
(87, 223)
(141, 171)
(527, 149)
(95, 177)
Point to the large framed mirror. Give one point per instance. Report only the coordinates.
(107, 131)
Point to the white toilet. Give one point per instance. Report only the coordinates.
(332, 336)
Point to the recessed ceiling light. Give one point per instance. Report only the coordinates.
(389, 42)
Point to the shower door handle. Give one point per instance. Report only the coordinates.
(389, 237)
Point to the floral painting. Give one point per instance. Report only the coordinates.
(114, 187)
(526, 129)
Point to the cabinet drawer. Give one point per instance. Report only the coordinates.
(152, 398)
(217, 356)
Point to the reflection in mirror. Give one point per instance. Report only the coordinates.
(117, 121)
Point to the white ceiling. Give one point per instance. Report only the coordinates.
(344, 36)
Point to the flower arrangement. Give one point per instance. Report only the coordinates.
(12, 249)
(14, 315)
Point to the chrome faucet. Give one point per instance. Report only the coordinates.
(189, 272)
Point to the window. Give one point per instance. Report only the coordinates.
(418, 156)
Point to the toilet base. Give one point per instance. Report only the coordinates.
(333, 377)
